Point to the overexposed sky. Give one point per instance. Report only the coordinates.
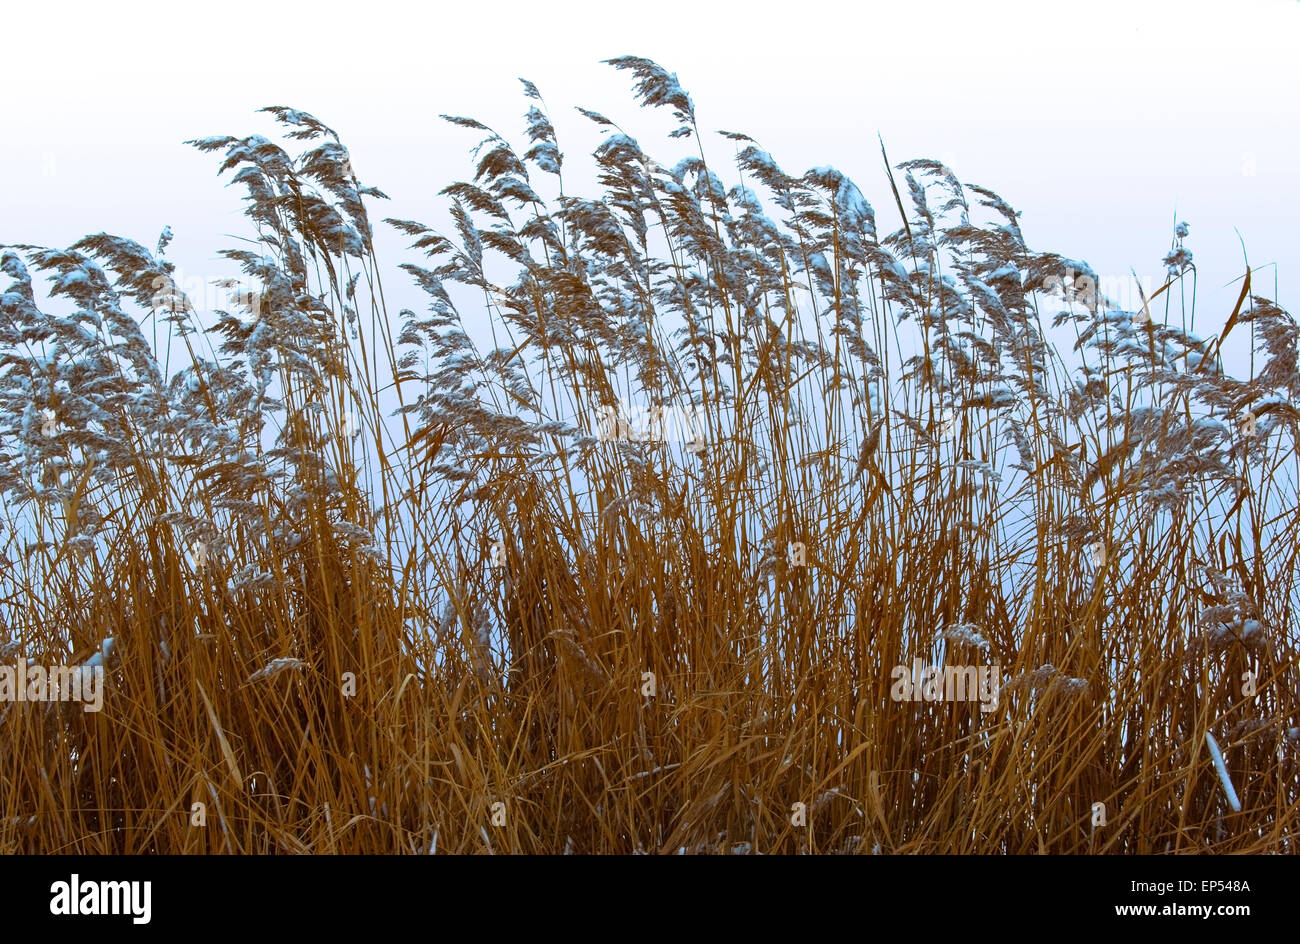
(1099, 121)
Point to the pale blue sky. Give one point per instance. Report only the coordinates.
(1097, 120)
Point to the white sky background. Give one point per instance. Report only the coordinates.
(1099, 121)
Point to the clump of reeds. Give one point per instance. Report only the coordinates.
(386, 582)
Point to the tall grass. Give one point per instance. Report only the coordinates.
(384, 582)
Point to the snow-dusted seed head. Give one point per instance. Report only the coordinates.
(274, 668)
